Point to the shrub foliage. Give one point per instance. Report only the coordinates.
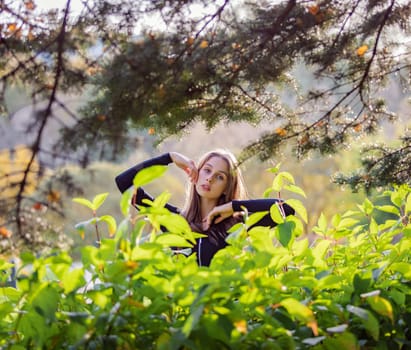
(349, 288)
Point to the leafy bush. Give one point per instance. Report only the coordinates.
(269, 289)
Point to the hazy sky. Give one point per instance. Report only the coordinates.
(153, 21)
(49, 4)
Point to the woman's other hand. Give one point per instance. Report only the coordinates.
(220, 213)
(186, 164)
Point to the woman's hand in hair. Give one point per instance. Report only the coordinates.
(186, 164)
(219, 213)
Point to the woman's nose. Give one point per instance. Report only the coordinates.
(209, 179)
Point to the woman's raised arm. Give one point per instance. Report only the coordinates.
(221, 212)
(186, 164)
(125, 180)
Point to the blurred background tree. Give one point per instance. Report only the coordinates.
(87, 82)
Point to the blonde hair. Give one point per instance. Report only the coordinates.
(235, 186)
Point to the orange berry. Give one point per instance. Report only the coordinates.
(5, 233)
(357, 127)
(12, 27)
(190, 41)
(314, 9)
(241, 326)
(281, 132)
(204, 44)
(53, 196)
(37, 206)
(362, 50)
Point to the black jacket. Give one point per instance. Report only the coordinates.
(205, 247)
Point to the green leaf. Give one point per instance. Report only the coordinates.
(172, 240)
(4, 265)
(285, 233)
(27, 257)
(73, 279)
(277, 183)
(84, 202)
(382, 306)
(137, 231)
(9, 294)
(300, 247)
(368, 320)
(361, 284)
(147, 175)
(81, 230)
(236, 227)
(403, 268)
(45, 300)
(388, 209)
(287, 176)
(125, 202)
(261, 239)
(321, 227)
(108, 249)
(373, 227)
(174, 223)
(298, 225)
(368, 206)
(196, 311)
(396, 198)
(281, 179)
(192, 320)
(34, 325)
(90, 256)
(267, 193)
(100, 297)
(275, 169)
(220, 326)
(408, 204)
(336, 219)
(343, 341)
(298, 310)
(81, 226)
(276, 214)
(295, 189)
(407, 231)
(98, 200)
(111, 223)
(255, 217)
(330, 282)
(161, 200)
(6, 308)
(321, 248)
(346, 223)
(299, 208)
(398, 297)
(122, 230)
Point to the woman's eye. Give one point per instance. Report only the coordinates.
(220, 177)
(207, 171)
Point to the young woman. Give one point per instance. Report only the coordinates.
(216, 194)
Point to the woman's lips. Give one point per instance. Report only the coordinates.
(205, 187)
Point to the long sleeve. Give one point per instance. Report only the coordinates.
(257, 205)
(125, 180)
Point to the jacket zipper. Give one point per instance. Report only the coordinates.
(199, 252)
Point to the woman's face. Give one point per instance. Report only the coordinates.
(212, 178)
